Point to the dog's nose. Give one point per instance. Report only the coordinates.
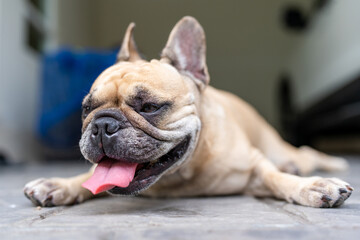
(105, 127)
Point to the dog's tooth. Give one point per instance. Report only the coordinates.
(179, 153)
(153, 161)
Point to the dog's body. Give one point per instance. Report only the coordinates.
(182, 138)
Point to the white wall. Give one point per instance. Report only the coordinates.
(19, 75)
(329, 54)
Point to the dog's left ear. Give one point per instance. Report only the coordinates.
(128, 51)
(186, 50)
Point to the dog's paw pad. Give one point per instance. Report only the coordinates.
(327, 192)
(325, 201)
(46, 192)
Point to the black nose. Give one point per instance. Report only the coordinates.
(104, 128)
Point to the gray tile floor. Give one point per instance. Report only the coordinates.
(232, 217)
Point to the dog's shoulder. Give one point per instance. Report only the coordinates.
(220, 102)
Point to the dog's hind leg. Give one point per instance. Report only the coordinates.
(58, 191)
(307, 191)
(323, 161)
(298, 161)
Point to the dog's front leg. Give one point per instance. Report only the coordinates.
(58, 191)
(307, 191)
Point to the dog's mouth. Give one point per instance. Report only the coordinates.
(121, 177)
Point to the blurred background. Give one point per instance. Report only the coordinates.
(296, 61)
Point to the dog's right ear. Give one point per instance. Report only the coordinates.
(128, 51)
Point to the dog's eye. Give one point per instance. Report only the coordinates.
(149, 108)
(86, 109)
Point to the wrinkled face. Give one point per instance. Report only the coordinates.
(140, 119)
(140, 112)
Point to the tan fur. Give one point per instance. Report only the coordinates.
(236, 150)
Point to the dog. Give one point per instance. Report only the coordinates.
(157, 128)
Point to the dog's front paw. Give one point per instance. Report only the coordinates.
(325, 192)
(49, 192)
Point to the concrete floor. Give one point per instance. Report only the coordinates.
(232, 217)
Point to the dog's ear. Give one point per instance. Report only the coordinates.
(128, 51)
(186, 50)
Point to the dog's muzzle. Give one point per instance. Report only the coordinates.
(104, 131)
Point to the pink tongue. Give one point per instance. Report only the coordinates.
(110, 173)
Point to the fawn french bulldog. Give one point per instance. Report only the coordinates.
(158, 129)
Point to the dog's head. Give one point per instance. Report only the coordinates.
(141, 119)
